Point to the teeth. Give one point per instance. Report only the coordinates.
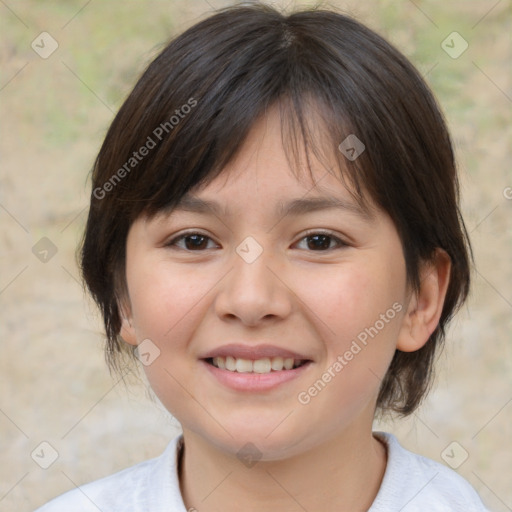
(264, 365)
(288, 364)
(277, 363)
(243, 366)
(230, 363)
(219, 362)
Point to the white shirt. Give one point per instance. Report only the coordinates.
(411, 483)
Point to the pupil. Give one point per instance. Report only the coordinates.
(197, 241)
(320, 242)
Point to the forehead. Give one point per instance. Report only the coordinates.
(282, 208)
(263, 170)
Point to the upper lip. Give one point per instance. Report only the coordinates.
(253, 352)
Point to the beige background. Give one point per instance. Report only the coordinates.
(54, 112)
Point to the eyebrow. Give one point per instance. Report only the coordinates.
(300, 206)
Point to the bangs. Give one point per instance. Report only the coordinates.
(310, 137)
(315, 120)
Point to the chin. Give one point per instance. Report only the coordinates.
(258, 440)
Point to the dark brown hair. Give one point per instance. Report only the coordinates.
(193, 107)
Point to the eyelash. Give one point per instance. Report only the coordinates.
(173, 243)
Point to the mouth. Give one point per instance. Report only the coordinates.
(260, 366)
(255, 376)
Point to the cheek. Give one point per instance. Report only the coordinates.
(167, 306)
(356, 311)
(358, 344)
(345, 300)
(165, 300)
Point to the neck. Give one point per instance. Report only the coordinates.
(342, 474)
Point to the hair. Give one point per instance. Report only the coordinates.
(193, 107)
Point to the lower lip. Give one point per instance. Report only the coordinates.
(255, 381)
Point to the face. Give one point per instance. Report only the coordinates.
(272, 303)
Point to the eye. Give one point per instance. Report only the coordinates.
(314, 241)
(191, 241)
(321, 242)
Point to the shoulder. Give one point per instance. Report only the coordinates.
(413, 483)
(144, 486)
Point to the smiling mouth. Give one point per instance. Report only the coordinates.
(263, 365)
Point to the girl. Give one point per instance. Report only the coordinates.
(274, 233)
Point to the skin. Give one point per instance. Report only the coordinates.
(319, 456)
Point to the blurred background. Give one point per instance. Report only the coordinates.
(66, 68)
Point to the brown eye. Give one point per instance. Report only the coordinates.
(321, 242)
(191, 242)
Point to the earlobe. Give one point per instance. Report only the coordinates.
(127, 331)
(426, 304)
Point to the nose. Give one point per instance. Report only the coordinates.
(254, 292)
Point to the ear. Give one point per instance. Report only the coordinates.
(127, 329)
(425, 305)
